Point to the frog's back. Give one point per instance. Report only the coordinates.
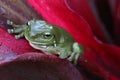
(63, 36)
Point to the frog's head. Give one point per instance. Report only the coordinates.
(40, 34)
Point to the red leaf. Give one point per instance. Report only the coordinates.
(17, 63)
(88, 11)
(16, 46)
(102, 57)
(36, 66)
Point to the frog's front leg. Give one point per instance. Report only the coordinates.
(77, 51)
(17, 29)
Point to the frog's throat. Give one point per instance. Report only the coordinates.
(45, 49)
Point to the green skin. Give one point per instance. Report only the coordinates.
(48, 38)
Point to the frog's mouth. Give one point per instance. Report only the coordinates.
(40, 46)
(45, 48)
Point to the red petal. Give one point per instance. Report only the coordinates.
(87, 9)
(68, 20)
(103, 56)
(16, 64)
(16, 46)
(36, 66)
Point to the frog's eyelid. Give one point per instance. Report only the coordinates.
(47, 33)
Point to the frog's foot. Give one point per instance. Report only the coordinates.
(9, 22)
(17, 36)
(74, 57)
(17, 29)
(77, 51)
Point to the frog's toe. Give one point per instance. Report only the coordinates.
(76, 58)
(19, 35)
(71, 58)
(9, 22)
(10, 31)
(75, 62)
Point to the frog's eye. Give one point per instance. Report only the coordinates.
(48, 35)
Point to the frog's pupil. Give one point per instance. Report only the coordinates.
(48, 35)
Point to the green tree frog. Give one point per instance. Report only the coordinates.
(48, 38)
